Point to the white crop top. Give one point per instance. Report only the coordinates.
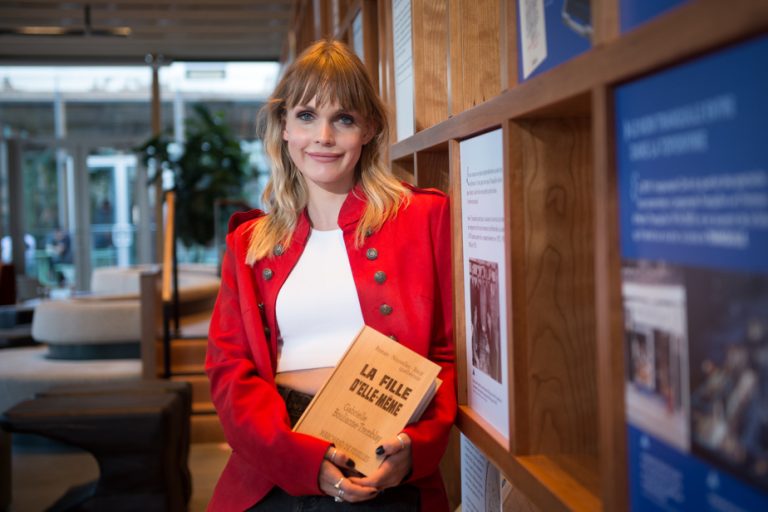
(318, 311)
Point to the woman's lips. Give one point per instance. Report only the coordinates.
(324, 157)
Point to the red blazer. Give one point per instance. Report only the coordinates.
(413, 303)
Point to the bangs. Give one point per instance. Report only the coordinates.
(330, 77)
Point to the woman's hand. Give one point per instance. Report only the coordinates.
(335, 484)
(396, 465)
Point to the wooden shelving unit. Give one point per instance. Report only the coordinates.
(567, 446)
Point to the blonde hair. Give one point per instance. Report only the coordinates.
(327, 72)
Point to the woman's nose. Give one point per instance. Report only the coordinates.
(325, 133)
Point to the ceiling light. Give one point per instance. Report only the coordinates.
(87, 29)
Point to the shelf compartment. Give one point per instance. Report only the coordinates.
(553, 304)
(432, 169)
(404, 169)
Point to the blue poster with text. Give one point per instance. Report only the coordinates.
(636, 12)
(692, 163)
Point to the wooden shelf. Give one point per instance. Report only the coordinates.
(695, 28)
(574, 481)
(566, 447)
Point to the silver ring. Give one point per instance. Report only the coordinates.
(334, 454)
(340, 497)
(337, 485)
(337, 499)
(402, 443)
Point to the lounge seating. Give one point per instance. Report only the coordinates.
(106, 324)
(138, 433)
(79, 334)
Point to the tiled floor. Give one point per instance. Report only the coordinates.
(42, 473)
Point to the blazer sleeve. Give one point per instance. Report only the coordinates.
(429, 435)
(252, 413)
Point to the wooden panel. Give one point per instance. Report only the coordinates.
(457, 251)
(508, 45)
(386, 65)
(518, 348)
(608, 304)
(151, 324)
(572, 479)
(475, 71)
(430, 60)
(450, 468)
(559, 308)
(514, 500)
(371, 38)
(404, 169)
(432, 170)
(605, 21)
(455, 72)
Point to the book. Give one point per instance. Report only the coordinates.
(378, 387)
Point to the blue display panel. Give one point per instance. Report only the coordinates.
(692, 161)
(635, 12)
(551, 32)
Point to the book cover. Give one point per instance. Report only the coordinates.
(378, 387)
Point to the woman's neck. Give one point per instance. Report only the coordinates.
(324, 207)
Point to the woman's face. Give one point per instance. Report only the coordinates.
(325, 144)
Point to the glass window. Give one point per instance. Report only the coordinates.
(67, 115)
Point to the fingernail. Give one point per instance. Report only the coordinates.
(380, 450)
(350, 463)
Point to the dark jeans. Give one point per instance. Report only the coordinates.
(295, 402)
(404, 498)
(398, 499)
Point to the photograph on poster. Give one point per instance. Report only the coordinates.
(656, 340)
(729, 370)
(484, 304)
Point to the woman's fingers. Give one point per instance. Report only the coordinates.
(339, 458)
(396, 465)
(335, 484)
(393, 445)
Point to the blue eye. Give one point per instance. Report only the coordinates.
(346, 119)
(304, 116)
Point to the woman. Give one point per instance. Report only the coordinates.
(344, 244)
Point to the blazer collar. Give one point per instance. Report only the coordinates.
(352, 208)
(351, 211)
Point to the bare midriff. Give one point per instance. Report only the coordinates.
(306, 381)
